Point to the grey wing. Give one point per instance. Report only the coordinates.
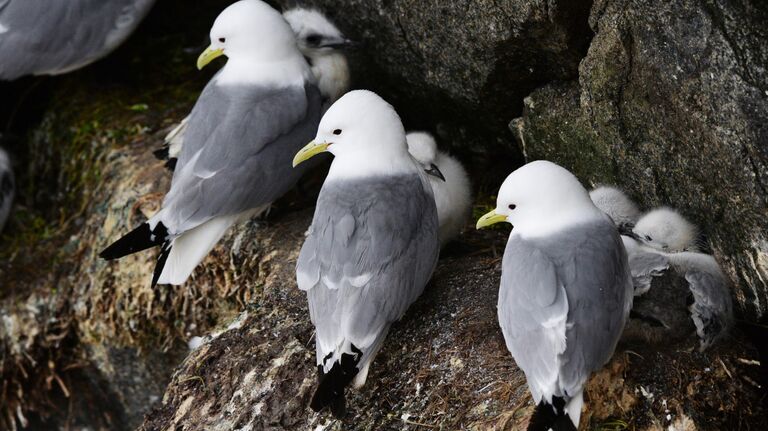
(712, 308)
(44, 37)
(127, 16)
(593, 266)
(370, 252)
(244, 160)
(533, 311)
(644, 263)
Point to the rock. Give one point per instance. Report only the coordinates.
(461, 67)
(671, 103)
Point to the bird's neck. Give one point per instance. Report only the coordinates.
(286, 72)
(551, 222)
(346, 166)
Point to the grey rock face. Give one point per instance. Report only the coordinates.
(461, 66)
(672, 104)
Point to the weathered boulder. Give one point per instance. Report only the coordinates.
(671, 103)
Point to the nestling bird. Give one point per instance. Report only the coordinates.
(566, 288)
(449, 181)
(43, 37)
(7, 187)
(667, 235)
(242, 133)
(667, 230)
(614, 202)
(321, 43)
(373, 243)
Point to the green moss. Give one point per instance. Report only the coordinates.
(558, 133)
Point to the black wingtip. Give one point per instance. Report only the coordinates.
(551, 417)
(171, 164)
(339, 407)
(164, 252)
(162, 153)
(136, 240)
(330, 389)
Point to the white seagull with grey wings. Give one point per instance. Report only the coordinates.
(566, 288)
(248, 123)
(373, 243)
(321, 43)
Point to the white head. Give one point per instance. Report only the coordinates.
(616, 204)
(365, 135)
(315, 33)
(423, 148)
(251, 31)
(541, 198)
(665, 229)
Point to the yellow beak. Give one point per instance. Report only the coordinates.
(312, 149)
(490, 219)
(208, 55)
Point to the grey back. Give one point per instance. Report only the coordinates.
(238, 150)
(371, 250)
(580, 274)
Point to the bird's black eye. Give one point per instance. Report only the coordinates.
(648, 238)
(512, 206)
(337, 132)
(222, 39)
(314, 39)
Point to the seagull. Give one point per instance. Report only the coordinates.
(614, 202)
(373, 243)
(667, 230)
(321, 43)
(242, 133)
(7, 187)
(663, 240)
(664, 235)
(43, 37)
(566, 288)
(449, 181)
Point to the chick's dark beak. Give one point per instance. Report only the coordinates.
(434, 171)
(342, 43)
(626, 230)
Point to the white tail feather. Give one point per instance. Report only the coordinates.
(573, 408)
(175, 139)
(189, 249)
(361, 376)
